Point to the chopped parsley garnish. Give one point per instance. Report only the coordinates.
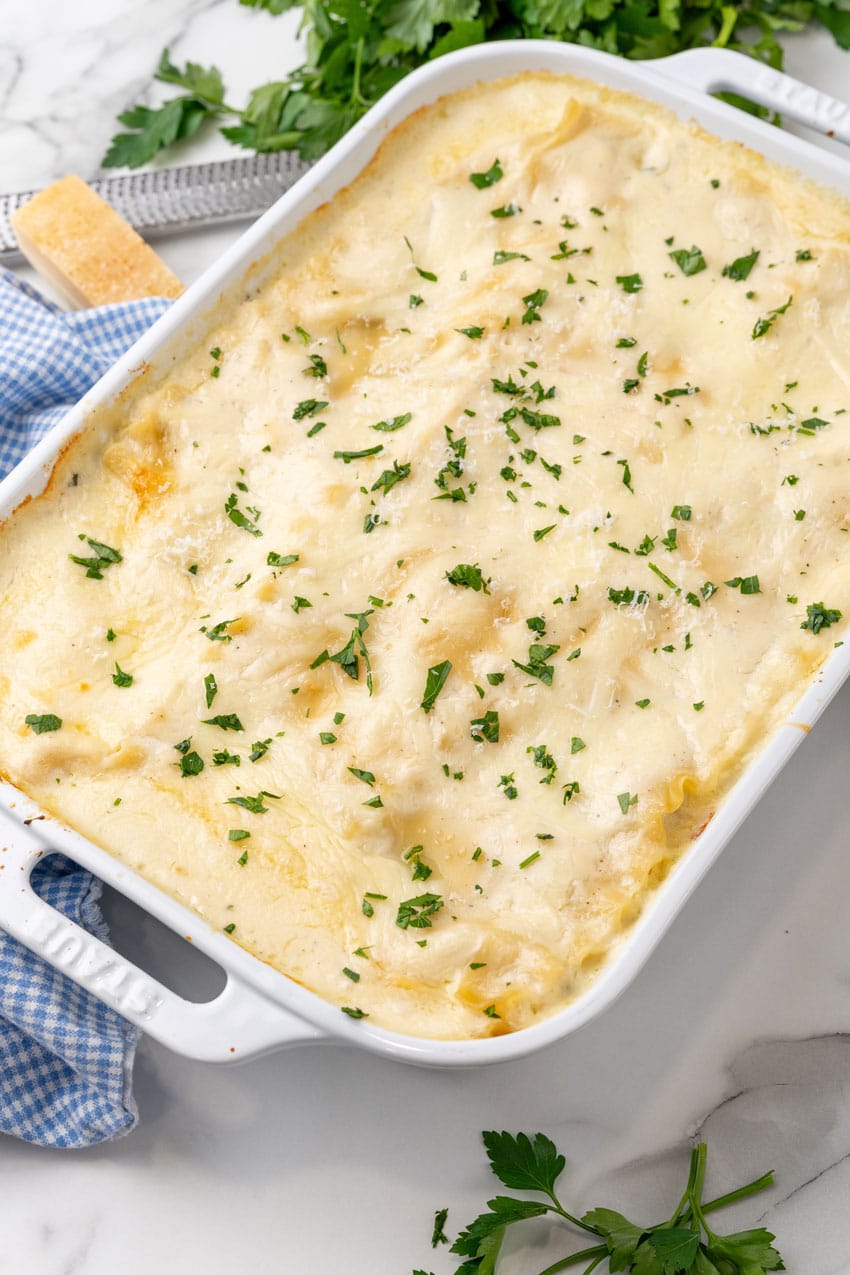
(468, 576)
(740, 268)
(537, 665)
(570, 790)
(348, 457)
(474, 334)
(365, 776)
(511, 210)
(256, 805)
(500, 256)
(765, 323)
(811, 424)
(226, 721)
(630, 282)
(394, 423)
(390, 477)
(576, 745)
(327, 737)
(238, 518)
(642, 703)
(493, 174)
(508, 787)
(228, 929)
(352, 974)
(281, 559)
(628, 596)
(416, 913)
(485, 728)
(217, 632)
(747, 584)
(190, 764)
(533, 303)
(682, 512)
(348, 658)
(495, 679)
(104, 556)
(210, 688)
(238, 834)
(120, 678)
(543, 758)
(42, 723)
(817, 617)
(670, 540)
(689, 260)
(318, 367)
(259, 748)
(434, 683)
(110, 635)
(415, 301)
(226, 758)
(544, 531)
(626, 799)
(300, 604)
(308, 407)
(354, 1011)
(627, 475)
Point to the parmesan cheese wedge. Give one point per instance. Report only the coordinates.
(86, 251)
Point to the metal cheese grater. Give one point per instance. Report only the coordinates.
(172, 199)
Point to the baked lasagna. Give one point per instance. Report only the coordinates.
(413, 622)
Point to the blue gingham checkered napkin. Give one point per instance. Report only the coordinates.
(65, 1059)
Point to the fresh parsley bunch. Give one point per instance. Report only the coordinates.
(358, 49)
(682, 1244)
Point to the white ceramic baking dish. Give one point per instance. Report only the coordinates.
(260, 1009)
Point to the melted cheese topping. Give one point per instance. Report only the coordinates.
(528, 431)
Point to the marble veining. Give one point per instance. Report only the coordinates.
(319, 1160)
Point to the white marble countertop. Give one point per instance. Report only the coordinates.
(323, 1160)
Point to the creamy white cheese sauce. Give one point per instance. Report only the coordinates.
(570, 486)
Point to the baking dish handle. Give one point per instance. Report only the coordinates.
(716, 70)
(238, 1024)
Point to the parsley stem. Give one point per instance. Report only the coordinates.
(356, 95)
(597, 1254)
(750, 1188)
(568, 1217)
(696, 1180)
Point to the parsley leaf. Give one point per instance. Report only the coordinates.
(416, 913)
(689, 260)
(42, 723)
(469, 576)
(764, 324)
(485, 728)
(120, 678)
(434, 683)
(104, 556)
(396, 422)
(493, 174)
(227, 721)
(817, 617)
(390, 477)
(740, 268)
